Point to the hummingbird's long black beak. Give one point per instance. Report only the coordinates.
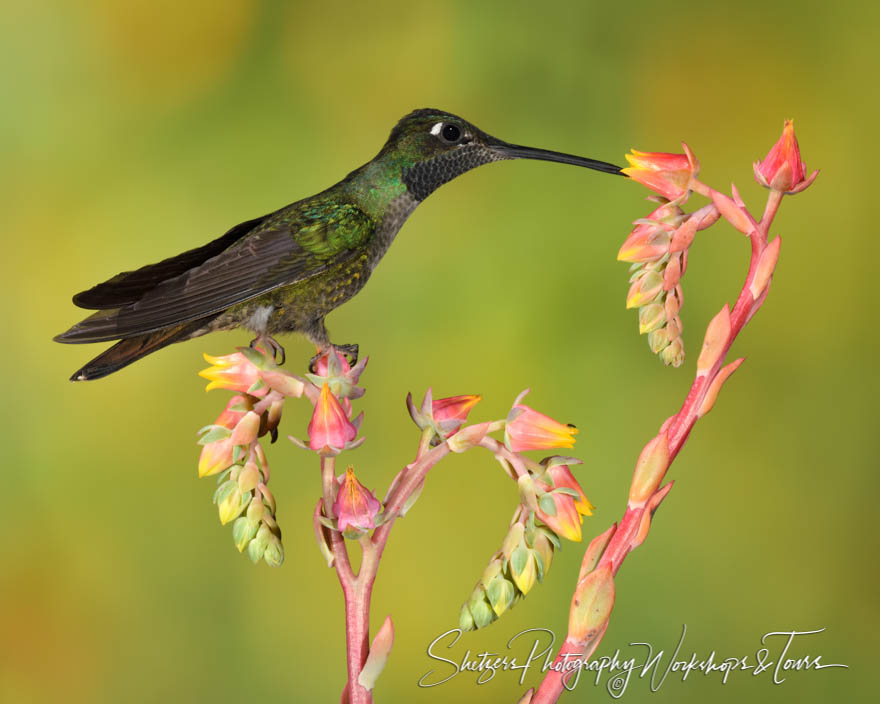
(514, 151)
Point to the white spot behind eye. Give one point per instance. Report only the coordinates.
(435, 130)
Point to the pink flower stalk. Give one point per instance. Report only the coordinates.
(527, 429)
(355, 507)
(330, 429)
(667, 174)
(652, 235)
(232, 371)
(569, 511)
(782, 169)
(452, 412)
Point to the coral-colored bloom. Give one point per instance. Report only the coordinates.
(530, 430)
(232, 371)
(355, 507)
(330, 429)
(453, 411)
(782, 169)
(569, 510)
(666, 174)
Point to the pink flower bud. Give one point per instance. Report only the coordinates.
(355, 506)
(782, 168)
(651, 237)
(644, 289)
(215, 457)
(526, 429)
(330, 429)
(666, 174)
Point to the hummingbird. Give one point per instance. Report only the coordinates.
(285, 271)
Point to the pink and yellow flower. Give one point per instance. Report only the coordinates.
(667, 174)
(451, 413)
(569, 510)
(527, 429)
(330, 430)
(355, 507)
(232, 371)
(782, 169)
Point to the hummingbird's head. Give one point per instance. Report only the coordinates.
(433, 147)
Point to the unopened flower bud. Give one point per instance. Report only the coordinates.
(651, 317)
(249, 477)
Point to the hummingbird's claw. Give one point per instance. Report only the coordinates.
(273, 434)
(350, 351)
(273, 345)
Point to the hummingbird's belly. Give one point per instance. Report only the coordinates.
(298, 307)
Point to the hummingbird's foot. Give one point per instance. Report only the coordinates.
(274, 435)
(350, 351)
(276, 349)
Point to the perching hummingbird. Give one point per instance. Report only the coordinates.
(285, 271)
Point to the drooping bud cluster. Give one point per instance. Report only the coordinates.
(658, 248)
(232, 450)
(523, 560)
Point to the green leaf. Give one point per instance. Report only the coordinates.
(547, 504)
(465, 620)
(500, 595)
(243, 532)
(552, 537)
(224, 490)
(519, 560)
(217, 432)
(253, 356)
(568, 491)
(539, 563)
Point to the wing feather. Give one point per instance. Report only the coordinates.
(293, 245)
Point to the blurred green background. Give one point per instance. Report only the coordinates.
(132, 131)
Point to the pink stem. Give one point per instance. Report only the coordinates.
(357, 589)
(629, 531)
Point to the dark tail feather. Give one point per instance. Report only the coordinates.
(132, 349)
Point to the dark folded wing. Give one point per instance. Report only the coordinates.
(129, 286)
(279, 253)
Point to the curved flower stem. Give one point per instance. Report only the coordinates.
(634, 525)
(357, 589)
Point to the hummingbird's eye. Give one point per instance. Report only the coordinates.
(450, 133)
(446, 131)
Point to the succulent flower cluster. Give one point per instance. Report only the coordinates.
(523, 560)
(552, 503)
(231, 446)
(658, 247)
